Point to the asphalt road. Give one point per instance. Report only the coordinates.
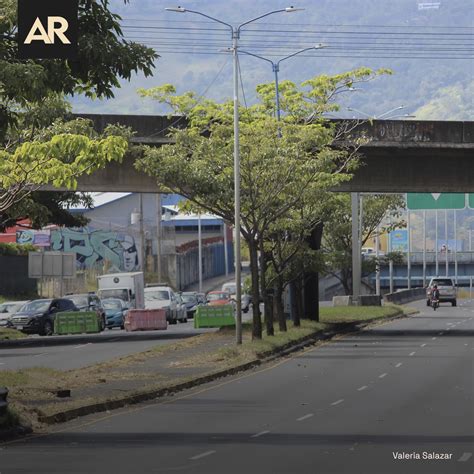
(71, 352)
(351, 406)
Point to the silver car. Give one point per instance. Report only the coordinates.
(8, 309)
(447, 290)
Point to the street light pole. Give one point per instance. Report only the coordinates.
(235, 31)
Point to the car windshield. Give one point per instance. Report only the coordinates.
(111, 304)
(217, 296)
(155, 295)
(36, 306)
(79, 300)
(189, 298)
(121, 294)
(229, 288)
(10, 307)
(445, 282)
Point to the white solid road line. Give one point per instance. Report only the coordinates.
(305, 417)
(337, 402)
(381, 376)
(412, 353)
(82, 345)
(399, 365)
(257, 435)
(465, 457)
(202, 455)
(362, 388)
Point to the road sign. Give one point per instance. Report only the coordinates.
(471, 200)
(51, 264)
(427, 201)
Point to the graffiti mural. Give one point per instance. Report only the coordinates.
(93, 247)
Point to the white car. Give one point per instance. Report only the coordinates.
(8, 309)
(231, 289)
(163, 297)
(447, 291)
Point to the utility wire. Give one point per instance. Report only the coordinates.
(241, 82)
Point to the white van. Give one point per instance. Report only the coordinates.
(163, 297)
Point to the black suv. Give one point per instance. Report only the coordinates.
(90, 302)
(37, 316)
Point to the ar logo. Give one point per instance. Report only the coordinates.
(57, 26)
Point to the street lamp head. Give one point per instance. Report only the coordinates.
(176, 9)
(320, 46)
(292, 9)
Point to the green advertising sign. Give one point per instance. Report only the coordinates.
(428, 201)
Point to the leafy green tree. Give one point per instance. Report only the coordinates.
(280, 161)
(31, 99)
(337, 237)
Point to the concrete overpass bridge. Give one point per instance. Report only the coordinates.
(401, 156)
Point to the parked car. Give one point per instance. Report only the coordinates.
(90, 302)
(115, 312)
(447, 291)
(8, 309)
(163, 297)
(37, 316)
(216, 298)
(246, 299)
(191, 301)
(182, 309)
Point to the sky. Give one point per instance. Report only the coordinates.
(191, 57)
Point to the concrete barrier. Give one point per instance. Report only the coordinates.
(405, 296)
(76, 322)
(342, 300)
(370, 300)
(214, 316)
(145, 320)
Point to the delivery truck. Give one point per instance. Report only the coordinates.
(125, 286)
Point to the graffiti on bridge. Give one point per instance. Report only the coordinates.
(93, 247)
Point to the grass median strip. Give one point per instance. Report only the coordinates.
(33, 392)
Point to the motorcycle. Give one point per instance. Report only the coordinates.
(434, 304)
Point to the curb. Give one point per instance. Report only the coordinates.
(265, 357)
(16, 432)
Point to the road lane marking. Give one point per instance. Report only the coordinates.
(305, 417)
(433, 338)
(202, 455)
(39, 355)
(465, 457)
(362, 388)
(399, 365)
(82, 345)
(412, 353)
(337, 402)
(381, 376)
(257, 435)
(440, 333)
(423, 345)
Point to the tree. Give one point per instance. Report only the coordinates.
(31, 99)
(279, 160)
(337, 237)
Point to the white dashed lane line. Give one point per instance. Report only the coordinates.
(433, 338)
(337, 402)
(39, 355)
(412, 353)
(362, 388)
(305, 417)
(202, 455)
(257, 435)
(399, 365)
(82, 345)
(423, 345)
(381, 376)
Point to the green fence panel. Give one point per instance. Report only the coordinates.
(214, 316)
(76, 322)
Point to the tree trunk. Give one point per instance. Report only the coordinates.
(256, 322)
(299, 297)
(279, 305)
(267, 301)
(311, 291)
(294, 295)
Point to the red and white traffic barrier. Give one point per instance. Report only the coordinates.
(145, 320)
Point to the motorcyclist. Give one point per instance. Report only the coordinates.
(435, 293)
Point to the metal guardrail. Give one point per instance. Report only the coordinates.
(3, 400)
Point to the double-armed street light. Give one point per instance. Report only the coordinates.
(235, 34)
